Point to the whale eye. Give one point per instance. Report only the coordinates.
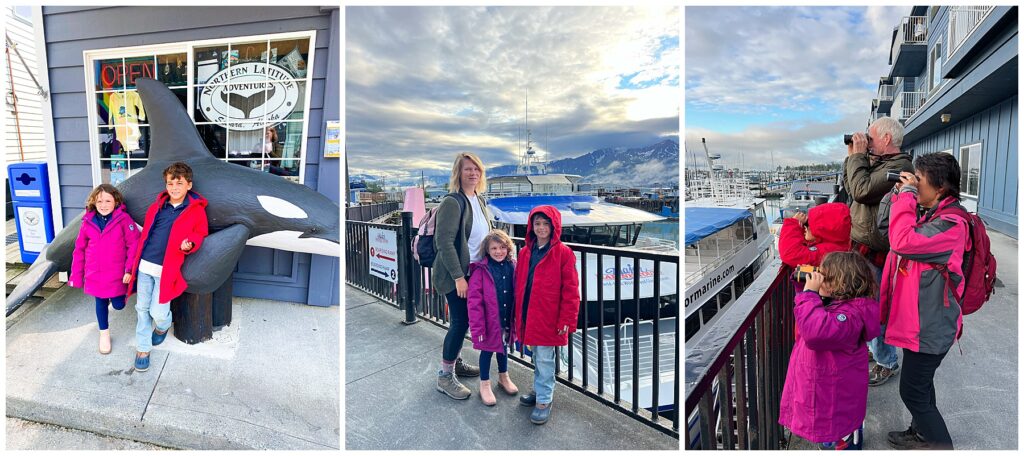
(281, 208)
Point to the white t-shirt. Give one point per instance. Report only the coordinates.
(478, 232)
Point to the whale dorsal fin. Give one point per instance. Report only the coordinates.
(173, 135)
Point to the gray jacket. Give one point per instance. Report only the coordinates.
(451, 262)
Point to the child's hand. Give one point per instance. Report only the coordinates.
(814, 281)
(186, 245)
(564, 330)
(127, 278)
(801, 217)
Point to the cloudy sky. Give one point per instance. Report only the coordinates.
(791, 80)
(423, 83)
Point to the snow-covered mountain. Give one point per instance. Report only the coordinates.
(633, 166)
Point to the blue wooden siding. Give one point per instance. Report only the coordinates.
(69, 31)
(996, 129)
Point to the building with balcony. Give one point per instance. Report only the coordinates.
(953, 82)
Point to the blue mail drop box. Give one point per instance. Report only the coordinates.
(33, 215)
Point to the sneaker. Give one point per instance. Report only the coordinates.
(540, 414)
(158, 337)
(880, 374)
(466, 370)
(528, 400)
(141, 362)
(907, 440)
(449, 384)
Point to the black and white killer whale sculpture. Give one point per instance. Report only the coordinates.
(246, 207)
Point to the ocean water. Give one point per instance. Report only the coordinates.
(665, 229)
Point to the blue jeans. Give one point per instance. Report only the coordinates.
(150, 312)
(885, 354)
(544, 373)
(101, 309)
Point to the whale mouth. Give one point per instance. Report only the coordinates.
(297, 241)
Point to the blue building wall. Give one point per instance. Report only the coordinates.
(262, 273)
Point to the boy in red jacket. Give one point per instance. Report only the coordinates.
(807, 238)
(547, 303)
(175, 226)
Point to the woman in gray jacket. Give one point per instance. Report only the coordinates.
(462, 223)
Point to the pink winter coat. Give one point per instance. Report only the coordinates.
(825, 396)
(101, 259)
(482, 304)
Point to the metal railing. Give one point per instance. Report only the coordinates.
(911, 30)
(963, 21)
(371, 211)
(736, 370)
(609, 340)
(885, 92)
(906, 104)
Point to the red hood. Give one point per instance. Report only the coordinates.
(830, 222)
(556, 225)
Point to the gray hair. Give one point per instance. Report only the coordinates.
(891, 126)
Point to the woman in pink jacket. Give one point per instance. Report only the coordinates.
(102, 262)
(825, 396)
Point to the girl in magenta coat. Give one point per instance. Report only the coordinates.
(824, 399)
(489, 304)
(102, 261)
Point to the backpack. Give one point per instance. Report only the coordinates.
(423, 249)
(979, 266)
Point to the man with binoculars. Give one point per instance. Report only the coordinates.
(870, 158)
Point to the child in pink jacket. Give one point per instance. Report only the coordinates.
(825, 396)
(489, 303)
(102, 261)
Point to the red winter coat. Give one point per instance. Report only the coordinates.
(555, 294)
(830, 225)
(102, 258)
(191, 225)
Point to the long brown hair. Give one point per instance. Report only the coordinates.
(90, 202)
(849, 275)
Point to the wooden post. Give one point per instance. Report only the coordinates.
(193, 317)
(222, 303)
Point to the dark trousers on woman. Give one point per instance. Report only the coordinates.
(917, 390)
(458, 325)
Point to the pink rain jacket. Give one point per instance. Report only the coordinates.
(483, 308)
(101, 259)
(920, 312)
(826, 392)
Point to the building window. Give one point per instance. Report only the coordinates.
(935, 66)
(970, 169)
(248, 98)
(23, 12)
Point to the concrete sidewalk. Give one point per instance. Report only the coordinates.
(391, 402)
(268, 381)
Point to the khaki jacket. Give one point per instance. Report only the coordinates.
(865, 181)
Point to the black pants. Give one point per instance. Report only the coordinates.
(458, 325)
(917, 390)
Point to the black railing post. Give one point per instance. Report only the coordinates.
(406, 281)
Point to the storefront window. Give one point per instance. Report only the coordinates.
(247, 98)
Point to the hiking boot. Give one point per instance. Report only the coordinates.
(528, 400)
(506, 384)
(486, 395)
(104, 341)
(541, 414)
(880, 374)
(466, 370)
(448, 384)
(907, 440)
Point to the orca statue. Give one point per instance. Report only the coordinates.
(246, 206)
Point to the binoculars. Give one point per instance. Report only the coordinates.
(802, 273)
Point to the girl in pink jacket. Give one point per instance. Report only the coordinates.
(489, 303)
(102, 262)
(825, 396)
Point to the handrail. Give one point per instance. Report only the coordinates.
(911, 30)
(369, 212)
(963, 21)
(735, 371)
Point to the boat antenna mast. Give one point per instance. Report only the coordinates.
(528, 163)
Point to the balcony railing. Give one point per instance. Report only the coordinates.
(911, 30)
(885, 92)
(963, 21)
(906, 104)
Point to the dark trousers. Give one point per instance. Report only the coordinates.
(458, 325)
(485, 364)
(917, 389)
(101, 309)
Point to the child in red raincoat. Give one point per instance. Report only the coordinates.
(547, 302)
(825, 396)
(104, 255)
(807, 238)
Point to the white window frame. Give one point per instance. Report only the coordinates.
(981, 155)
(936, 51)
(188, 47)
